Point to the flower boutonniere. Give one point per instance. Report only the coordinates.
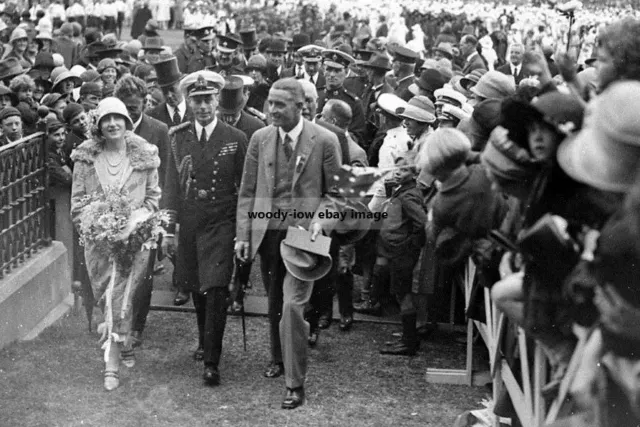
(299, 163)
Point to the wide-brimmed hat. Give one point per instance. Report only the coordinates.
(494, 85)
(356, 223)
(445, 49)
(232, 98)
(430, 80)
(379, 62)
(306, 260)
(605, 154)
(472, 78)
(44, 36)
(10, 67)
(110, 47)
(419, 108)
(300, 40)
(390, 103)
(112, 105)
(18, 34)
(168, 71)
(66, 75)
(8, 92)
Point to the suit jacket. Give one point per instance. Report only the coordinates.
(157, 133)
(160, 112)
(318, 161)
(272, 72)
(474, 63)
(248, 124)
(506, 69)
(402, 90)
(342, 139)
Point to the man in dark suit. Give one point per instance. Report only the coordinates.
(275, 59)
(230, 109)
(375, 69)
(201, 195)
(469, 52)
(289, 166)
(173, 112)
(132, 91)
(514, 66)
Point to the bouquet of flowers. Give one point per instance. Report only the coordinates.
(109, 222)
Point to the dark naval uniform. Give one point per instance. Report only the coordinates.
(201, 189)
(357, 127)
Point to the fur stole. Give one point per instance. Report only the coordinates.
(142, 155)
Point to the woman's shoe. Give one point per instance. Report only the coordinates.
(111, 380)
(128, 358)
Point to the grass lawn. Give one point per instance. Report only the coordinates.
(56, 380)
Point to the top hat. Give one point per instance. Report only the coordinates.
(167, 71)
(306, 260)
(248, 37)
(228, 43)
(10, 67)
(153, 44)
(232, 99)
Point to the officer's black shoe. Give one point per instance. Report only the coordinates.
(402, 348)
(368, 307)
(346, 322)
(211, 376)
(324, 322)
(181, 298)
(295, 397)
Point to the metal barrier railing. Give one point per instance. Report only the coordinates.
(24, 205)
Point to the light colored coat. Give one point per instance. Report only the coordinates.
(317, 161)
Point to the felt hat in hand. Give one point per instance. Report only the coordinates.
(356, 223)
(304, 259)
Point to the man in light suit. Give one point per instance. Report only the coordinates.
(289, 166)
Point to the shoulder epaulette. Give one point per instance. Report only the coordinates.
(256, 113)
(174, 129)
(352, 95)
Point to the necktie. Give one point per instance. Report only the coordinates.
(311, 80)
(515, 71)
(288, 150)
(176, 117)
(203, 137)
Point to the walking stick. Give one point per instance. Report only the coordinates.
(240, 280)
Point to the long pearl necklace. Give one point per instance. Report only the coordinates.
(114, 168)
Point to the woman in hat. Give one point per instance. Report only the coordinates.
(65, 82)
(44, 42)
(108, 71)
(23, 86)
(257, 69)
(19, 43)
(115, 157)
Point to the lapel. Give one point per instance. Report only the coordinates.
(269, 157)
(303, 150)
(140, 131)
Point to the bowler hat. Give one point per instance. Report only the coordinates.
(306, 260)
(430, 80)
(167, 71)
(232, 99)
(10, 67)
(605, 154)
(277, 46)
(300, 40)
